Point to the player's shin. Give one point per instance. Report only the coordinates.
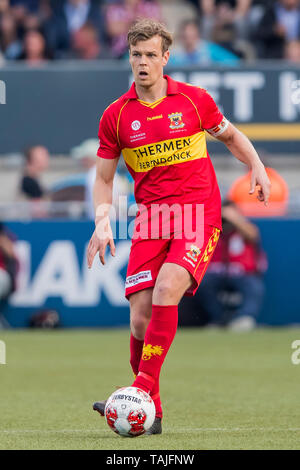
(158, 339)
(136, 349)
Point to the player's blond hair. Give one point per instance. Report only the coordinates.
(144, 29)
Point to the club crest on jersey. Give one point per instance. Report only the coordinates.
(176, 121)
(193, 253)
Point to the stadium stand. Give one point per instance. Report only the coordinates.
(247, 28)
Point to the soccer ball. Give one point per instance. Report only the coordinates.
(129, 411)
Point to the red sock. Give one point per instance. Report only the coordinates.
(158, 339)
(156, 398)
(136, 349)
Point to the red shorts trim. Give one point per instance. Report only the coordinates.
(148, 255)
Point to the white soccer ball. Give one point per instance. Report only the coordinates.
(129, 411)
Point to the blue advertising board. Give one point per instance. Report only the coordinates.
(66, 101)
(54, 274)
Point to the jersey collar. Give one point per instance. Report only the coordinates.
(171, 90)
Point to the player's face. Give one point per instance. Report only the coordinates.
(147, 61)
(40, 158)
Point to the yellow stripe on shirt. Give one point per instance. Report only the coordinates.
(166, 152)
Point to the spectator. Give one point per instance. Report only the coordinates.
(86, 45)
(120, 16)
(292, 51)
(10, 45)
(32, 22)
(77, 13)
(256, 12)
(237, 265)
(31, 6)
(19, 13)
(225, 19)
(41, 9)
(36, 162)
(279, 24)
(4, 6)
(8, 265)
(67, 18)
(86, 154)
(250, 205)
(194, 50)
(35, 51)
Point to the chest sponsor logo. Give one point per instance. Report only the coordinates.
(176, 121)
(135, 125)
(136, 137)
(167, 152)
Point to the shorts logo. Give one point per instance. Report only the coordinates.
(189, 261)
(176, 121)
(193, 253)
(142, 276)
(135, 125)
(149, 351)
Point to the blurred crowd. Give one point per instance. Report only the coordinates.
(205, 31)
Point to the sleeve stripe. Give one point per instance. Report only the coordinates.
(120, 112)
(194, 107)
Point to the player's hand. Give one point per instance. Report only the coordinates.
(260, 178)
(101, 237)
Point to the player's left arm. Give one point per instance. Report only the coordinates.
(241, 147)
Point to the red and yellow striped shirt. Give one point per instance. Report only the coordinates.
(164, 146)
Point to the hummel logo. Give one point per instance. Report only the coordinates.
(154, 117)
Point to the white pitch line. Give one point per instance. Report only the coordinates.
(171, 430)
(237, 429)
(50, 431)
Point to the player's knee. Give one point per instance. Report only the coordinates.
(163, 291)
(138, 324)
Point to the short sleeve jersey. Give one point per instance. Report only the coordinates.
(164, 146)
(31, 187)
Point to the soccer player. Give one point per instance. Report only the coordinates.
(159, 126)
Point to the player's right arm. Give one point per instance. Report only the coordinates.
(109, 153)
(102, 195)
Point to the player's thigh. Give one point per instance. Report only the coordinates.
(145, 260)
(194, 257)
(172, 282)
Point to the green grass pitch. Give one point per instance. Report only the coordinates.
(220, 390)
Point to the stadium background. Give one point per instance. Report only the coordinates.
(240, 391)
(56, 100)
